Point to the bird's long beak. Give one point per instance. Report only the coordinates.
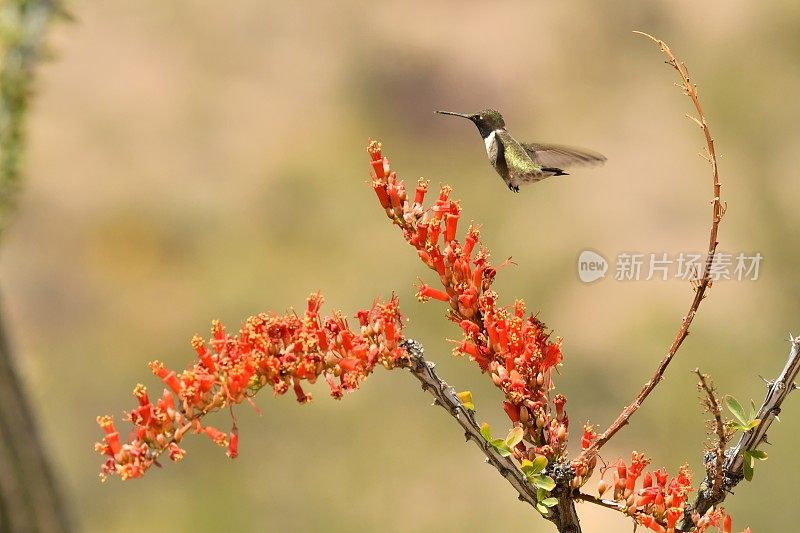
(462, 115)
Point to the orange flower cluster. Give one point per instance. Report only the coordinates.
(659, 503)
(280, 351)
(515, 349)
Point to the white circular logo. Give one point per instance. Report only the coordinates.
(591, 266)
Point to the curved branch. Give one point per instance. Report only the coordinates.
(705, 281)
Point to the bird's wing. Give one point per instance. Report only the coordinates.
(560, 156)
(518, 167)
(521, 166)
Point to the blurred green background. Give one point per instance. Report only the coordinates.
(199, 160)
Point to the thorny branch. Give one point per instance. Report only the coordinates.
(700, 286)
(770, 408)
(712, 406)
(564, 515)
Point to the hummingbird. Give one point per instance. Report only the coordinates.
(520, 163)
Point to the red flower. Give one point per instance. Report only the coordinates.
(280, 351)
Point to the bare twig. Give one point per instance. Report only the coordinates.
(777, 392)
(723, 435)
(563, 515)
(717, 211)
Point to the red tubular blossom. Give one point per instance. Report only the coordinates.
(468, 348)
(389, 329)
(394, 197)
(313, 304)
(217, 437)
(336, 390)
(167, 376)
(422, 234)
(349, 365)
(302, 397)
(422, 189)
(452, 225)
(473, 234)
(552, 356)
(438, 263)
(477, 276)
(589, 436)
(218, 332)
(112, 436)
(176, 453)
(467, 300)
(469, 327)
(374, 149)
(379, 168)
(433, 234)
(203, 354)
(140, 391)
(502, 336)
(673, 515)
(233, 445)
(622, 470)
(512, 411)
(427, 292)
(380, 191)
(651, 523)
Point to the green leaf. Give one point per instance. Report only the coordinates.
(543, 482)
(515, 436)
(539, 464)
(736, 409)
(745, 428)
(747, 466)
(542, 509)
(758, 454)
(549, 502)
(501, 447)
(531, 468)
(486, 432)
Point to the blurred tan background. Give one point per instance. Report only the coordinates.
(199, 160)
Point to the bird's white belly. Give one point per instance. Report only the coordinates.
(491, 149)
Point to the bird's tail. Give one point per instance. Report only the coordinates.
(555, 171)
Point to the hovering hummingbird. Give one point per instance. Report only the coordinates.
(520, 163)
